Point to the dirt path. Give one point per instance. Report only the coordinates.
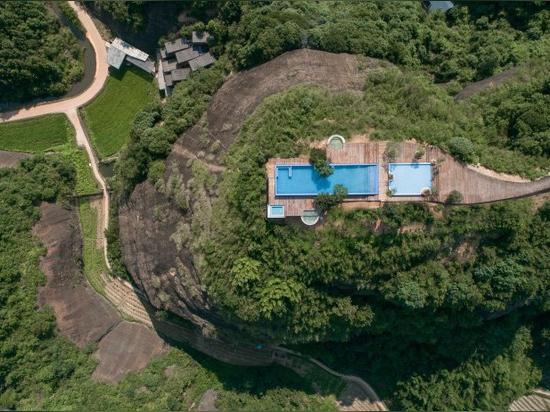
(184, 152)
(101, 73)
(483, 84)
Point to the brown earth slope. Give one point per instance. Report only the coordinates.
(164, 270)
(82, 315)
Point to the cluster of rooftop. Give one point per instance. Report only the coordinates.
(293, 183)
(178, 58)
(119, 51)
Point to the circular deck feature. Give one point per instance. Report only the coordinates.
(310, 217)
(336, 141)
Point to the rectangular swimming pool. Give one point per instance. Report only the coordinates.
(302, 180)
(409, 178)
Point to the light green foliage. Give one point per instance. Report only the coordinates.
(245, 273)
(36, 135)
(38, 57)
(149, 140)
(50, 133)
(109, 116)
(94, 259)
(85, 182)
(462, 148)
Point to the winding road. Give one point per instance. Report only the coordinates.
(70, 108)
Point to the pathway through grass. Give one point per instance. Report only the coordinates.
(51, 133)
(109, 117)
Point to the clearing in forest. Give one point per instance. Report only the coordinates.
(109, 117)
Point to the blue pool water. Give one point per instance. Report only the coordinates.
(410, 178)
(302, 180)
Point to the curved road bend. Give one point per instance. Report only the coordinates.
(70, 108)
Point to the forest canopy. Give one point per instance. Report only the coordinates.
(38, 57)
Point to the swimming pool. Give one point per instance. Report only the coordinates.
(302, 180)
(409, 178)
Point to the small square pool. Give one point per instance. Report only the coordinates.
(409, 179)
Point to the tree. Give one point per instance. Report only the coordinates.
(454, 197)
(420, 152)
(321, 164)
(326, 201)
(462, 148)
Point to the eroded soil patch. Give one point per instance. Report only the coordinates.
(127, 348)
(82, 315)
(10, 159)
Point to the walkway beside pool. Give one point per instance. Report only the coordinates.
(447, 175)
(352, 153)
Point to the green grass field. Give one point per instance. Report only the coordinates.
(50, 133)
(35, 135)
(109, 117)
(94, 260)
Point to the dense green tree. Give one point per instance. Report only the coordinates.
(38, 57)
(321, 163)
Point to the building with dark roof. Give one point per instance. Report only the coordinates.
(175, 46)
(183, 56)
(180, 74)
(432, 6)
(204, 60)
(178, 58)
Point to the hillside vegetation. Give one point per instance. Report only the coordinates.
(38, 57)
(41, 370)
(424, 310)
(471, 42)
(445, 314)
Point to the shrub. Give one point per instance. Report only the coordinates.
(454, 197)
(321, 163)
(420, 152)
(391, 152)
(462, 148)
(326, 201)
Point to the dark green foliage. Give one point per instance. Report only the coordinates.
(40, 370)
(327, 201)
(321, 163)
(130, 13)
(476, 384)
(434, 306)
(37, 56)
(150, 140)
(471, 42)
(462, 148)
(454, 197)
(71, 15)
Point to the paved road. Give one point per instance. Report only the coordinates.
(70, 107)
(101, 73)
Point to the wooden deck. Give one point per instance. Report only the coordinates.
(447, 176)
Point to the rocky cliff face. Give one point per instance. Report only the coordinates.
(160, 268)
(162, 224)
